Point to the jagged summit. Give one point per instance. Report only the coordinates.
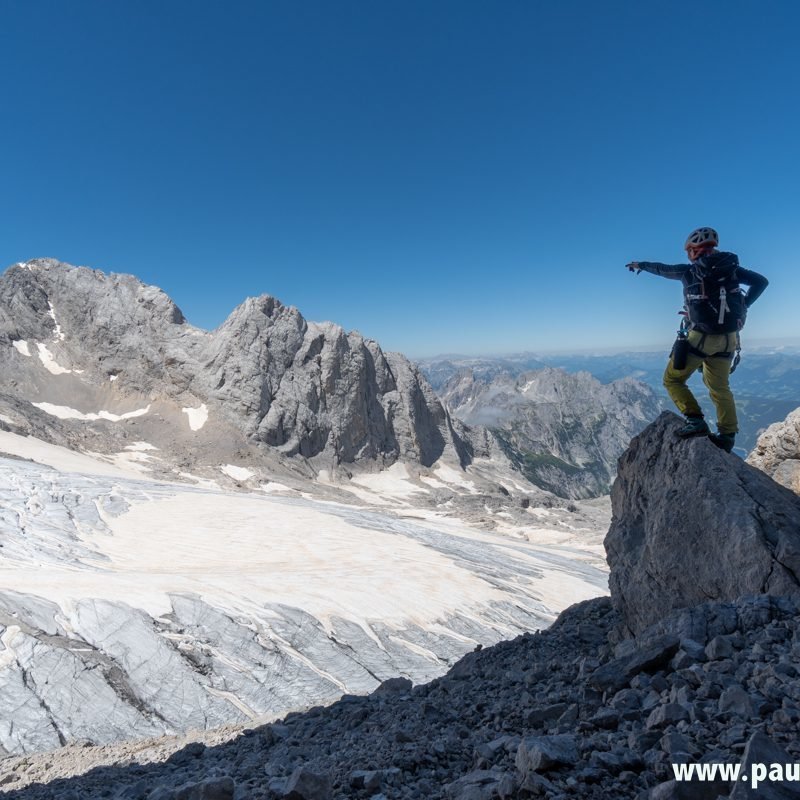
(82, 340)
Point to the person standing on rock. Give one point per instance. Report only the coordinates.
(715, 307)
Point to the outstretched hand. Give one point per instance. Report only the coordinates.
(634, 267)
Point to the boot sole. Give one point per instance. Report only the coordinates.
(692, 435)
(717, 443)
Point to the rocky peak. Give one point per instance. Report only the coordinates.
(693, 524)
(308, 389)
(777, 452)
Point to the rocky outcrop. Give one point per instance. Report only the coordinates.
(76, 341)
(691, 524)
(777, 452)
(564, 431)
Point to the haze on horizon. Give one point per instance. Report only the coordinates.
(448, 178)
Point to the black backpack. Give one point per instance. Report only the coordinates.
(715, 303)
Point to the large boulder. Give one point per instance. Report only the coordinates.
(777, 452)
(692, 523)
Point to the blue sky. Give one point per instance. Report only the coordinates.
(447, 176)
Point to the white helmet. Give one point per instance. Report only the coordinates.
(702, 237)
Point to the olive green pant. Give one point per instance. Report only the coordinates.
(716, 374)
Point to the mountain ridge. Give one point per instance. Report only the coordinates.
(302, 388)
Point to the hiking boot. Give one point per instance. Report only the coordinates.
(725, 441)
(695, 426)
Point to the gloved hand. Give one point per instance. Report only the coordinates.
(634, 267)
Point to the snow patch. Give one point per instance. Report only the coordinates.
(394, 482)
(129, 461)
(7, 420)
(64, 412)
(540, 512)
(274, 486)
(112, 378)
(21, 346)
(197, 416)
(454, 477)
(427, 479)
(237, 473)
(140, 447)
(58, 336)
(50, 364)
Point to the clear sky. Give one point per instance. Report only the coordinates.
(441, 175)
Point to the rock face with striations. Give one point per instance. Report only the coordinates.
(777, 452)
(75, 338)
(692, 524)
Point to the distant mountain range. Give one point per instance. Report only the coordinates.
(564, 431)
(766, 383)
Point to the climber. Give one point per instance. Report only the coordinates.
(715, 308)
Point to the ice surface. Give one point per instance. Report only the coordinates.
(208, 606)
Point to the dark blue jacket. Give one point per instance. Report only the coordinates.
(703, 281)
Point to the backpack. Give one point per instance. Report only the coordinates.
(715, 303)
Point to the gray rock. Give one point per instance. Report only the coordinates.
(666, 714)
(541, 715)
(480, 785)
(303, 784)
(617, 673)
(212, 789)
(777, 452)
(744, 537)
(760, 754)
(736, 700)
(394, 685)
(674, 743)
(687, 790)
(605, 718)
(719, 647)
(366, 779)
(540, 753)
